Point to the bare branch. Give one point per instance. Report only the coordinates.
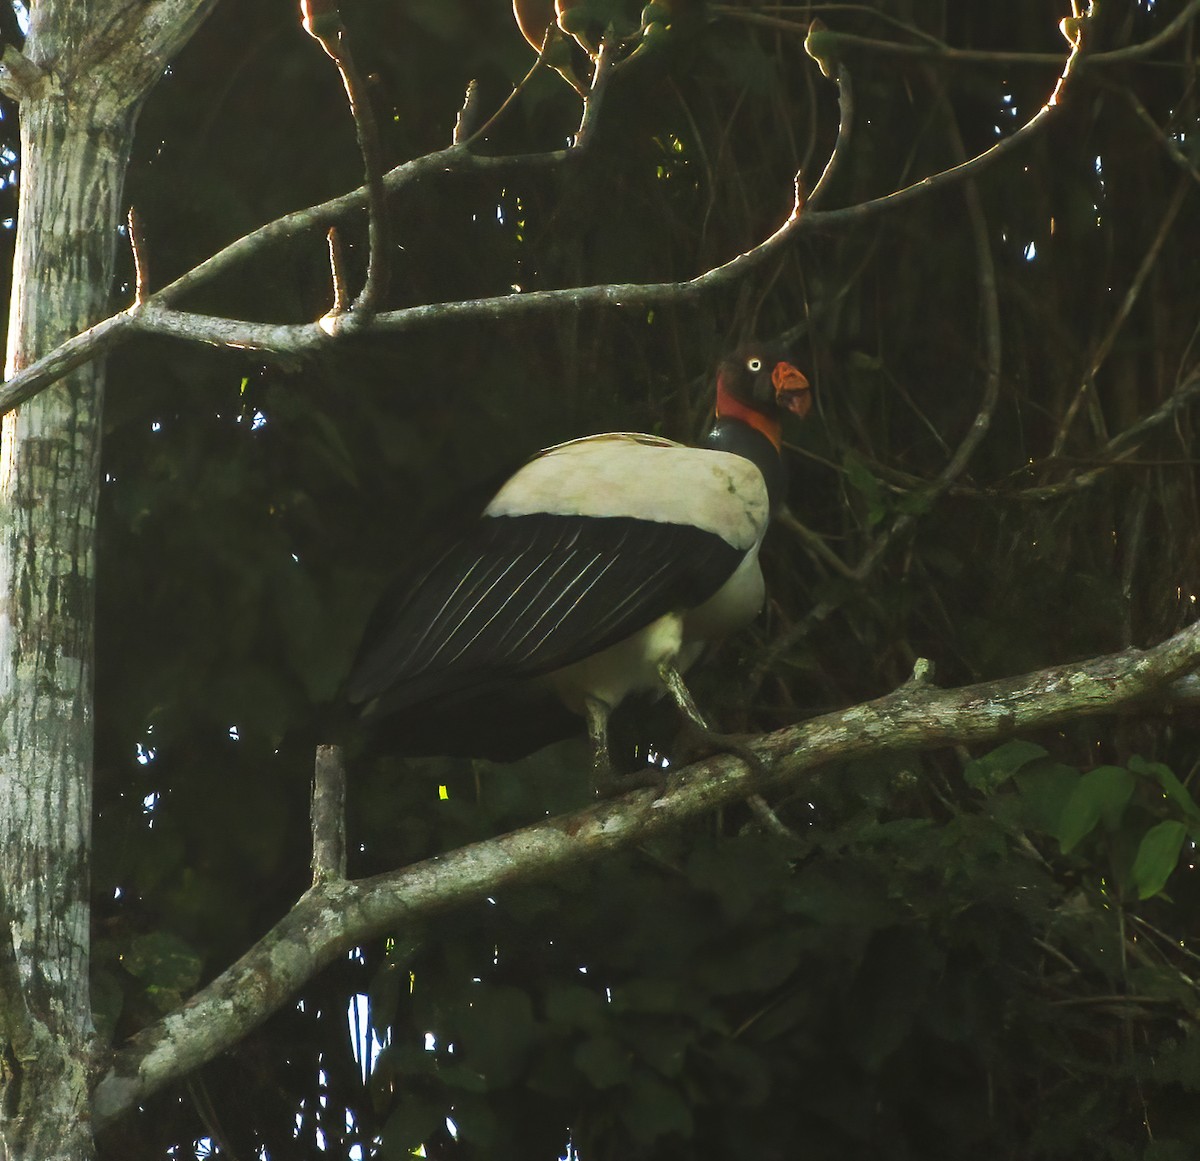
(328, 816)
(337, 914)
(1184, 394)
(298, 338)
(167, 25)
(990, 310)
(20, 78)
(463, 134)
(841, 145)
(134, 224)
(325, 27)
(337, 272)
(455, 159)
(592, 102)
(75, 352)
(1088, 386)
(1116, 453)
(933, 49)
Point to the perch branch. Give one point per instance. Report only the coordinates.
(337, 914)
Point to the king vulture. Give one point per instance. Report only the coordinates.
(601, 568)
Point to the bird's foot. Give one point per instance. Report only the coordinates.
(698, 742)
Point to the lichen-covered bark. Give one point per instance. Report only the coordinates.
(49, 456)
(89, 64)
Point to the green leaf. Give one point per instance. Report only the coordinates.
(996, 767)
(603, 1061)
(1100, 794)
(746, 1079)
(1157, 857)
(458, 1076)
(867, 486)
(1045, 788)
(475, 1119)
(739, 872)
(574, 1007)
(662, 1046)
(837, 895)
(410, 1124)
(1172, 787)
(655, 1109)
(898, 972)
(657, 996)
(497, 1033)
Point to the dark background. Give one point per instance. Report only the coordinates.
(920, 971)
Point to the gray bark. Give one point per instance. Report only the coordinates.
(85, 70)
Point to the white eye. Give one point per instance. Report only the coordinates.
(754, 364)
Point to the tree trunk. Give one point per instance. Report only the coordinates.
(86, 68)
(72, 175)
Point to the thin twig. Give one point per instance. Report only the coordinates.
(298, 338)
(553, 36)
(337, 272)
(336, 44)
(1114, 454)
(602, 70)
(1183, 395)
(940, 51)
(845, 87)
(770, 821)
(134, 226)
(1088, 386)
(1172, 149)
(990, 310)
(814, 542)
(781, 24)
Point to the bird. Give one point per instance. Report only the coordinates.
(601, 568)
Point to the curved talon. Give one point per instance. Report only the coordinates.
(701, 741)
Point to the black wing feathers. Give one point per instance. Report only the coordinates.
(520, 596)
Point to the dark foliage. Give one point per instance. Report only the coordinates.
(949, 958)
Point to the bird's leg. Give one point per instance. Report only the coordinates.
(704, 739)
(605, 780)
(673, 680)
(597, 726)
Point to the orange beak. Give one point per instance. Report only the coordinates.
(791, 389)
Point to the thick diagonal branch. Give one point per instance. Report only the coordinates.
(337, 914)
